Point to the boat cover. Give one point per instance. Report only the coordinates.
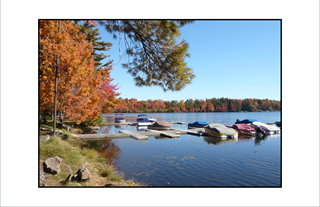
(199, 123)
(247, 121)
(221, 129)
(243, 127)
(162, 124)
(266, 126)
(142, 120)
(142, 115)
(278, 123)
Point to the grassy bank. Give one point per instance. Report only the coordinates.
(75, 154)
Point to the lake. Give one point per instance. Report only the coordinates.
(191, 161)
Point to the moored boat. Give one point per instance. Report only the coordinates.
(198, 124)
(119, 118)
(143, 120)
(265, 128)
(152, 120)
(246, 121)
(220, 130)
(244, 129)
(160, 125)
(278, 123)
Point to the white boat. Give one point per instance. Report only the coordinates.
(119, 118)
(152, 120)
(143, 120)
(266, 128)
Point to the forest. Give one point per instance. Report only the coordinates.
(198, 105)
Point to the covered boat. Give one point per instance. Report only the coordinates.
(152, 120)
(119, 118)
(265, 128)
(198, 124)
(160, 125)
(246, 121)
(244, 129)
(278, 123)
(220, 130)
(143, 120)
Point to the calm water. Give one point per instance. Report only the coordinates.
(197, 161)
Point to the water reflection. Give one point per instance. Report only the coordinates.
(218, 141)
(141, 128)
(190, 161)
(119, 126)
(261, 137)
(108, 148)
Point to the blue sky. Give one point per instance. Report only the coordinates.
(233, 59)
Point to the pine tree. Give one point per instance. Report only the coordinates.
(93, 36)
(154, 58)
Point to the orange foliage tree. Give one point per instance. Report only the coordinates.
(82, 94)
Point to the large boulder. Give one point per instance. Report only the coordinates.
(83, 174)
(52, 165)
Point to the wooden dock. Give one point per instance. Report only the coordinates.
(172, 133)
(165, 133)
(134, 124)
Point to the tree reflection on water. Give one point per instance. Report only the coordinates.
(108, 148)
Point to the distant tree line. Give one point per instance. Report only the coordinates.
(198, 105)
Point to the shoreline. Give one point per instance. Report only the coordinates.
(75, 155)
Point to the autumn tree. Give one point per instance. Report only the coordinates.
(81, 91)
(154, 57)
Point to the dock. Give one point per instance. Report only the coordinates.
(134, 135)
(172, 133)
(165, 133)
(134, 124)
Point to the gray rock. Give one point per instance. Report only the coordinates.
(52, 165)
(83, 174)
(44, 138)
(42, 175)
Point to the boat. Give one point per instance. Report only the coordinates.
(143, 120)
(119, 118)
(278, 123)
(246, 121)
(265, 128)
(244, 129)
(152, 120)
(220, 130)
(197, 124)
(160, 125)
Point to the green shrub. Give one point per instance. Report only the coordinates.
(107, 171)
(90, 153)
(65, 136)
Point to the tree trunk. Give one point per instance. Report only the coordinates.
(56, 90)
(61, 117)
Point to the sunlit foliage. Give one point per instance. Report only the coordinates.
(198, 105)
(82, 92)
